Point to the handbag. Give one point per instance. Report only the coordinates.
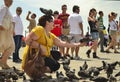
(34, 63)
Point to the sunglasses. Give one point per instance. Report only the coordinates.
(19, 10)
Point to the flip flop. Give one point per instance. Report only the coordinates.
(1, 64)
(5, 66)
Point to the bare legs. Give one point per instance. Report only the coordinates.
(5, 56)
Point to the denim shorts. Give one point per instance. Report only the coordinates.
(95, 35)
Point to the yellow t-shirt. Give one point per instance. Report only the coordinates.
(43, 40)
(104, 32)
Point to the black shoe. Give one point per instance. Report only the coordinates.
(17, 61)
(102, 51)
(95, 56)
(20, 59)
(88, 53)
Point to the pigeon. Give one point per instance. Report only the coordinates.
(2, 78)
(100, 68)
(14, 76)
(59, 74)
(105, 65)
(119, 63)
(71, 75)
(83, 74)
(117, 74)
(47, 12)
(18, 72)
(113, 64)
(61, 77)
(99, 79)
(24, 78)
(112, 79)
(85, 66)
(90, 70)
(96, 72)
(109, 70)
(66, 61)
(66, 67)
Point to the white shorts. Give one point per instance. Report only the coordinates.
(76, 38)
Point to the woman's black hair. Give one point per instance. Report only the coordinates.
(42, 20)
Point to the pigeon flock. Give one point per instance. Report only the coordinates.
(85, 73)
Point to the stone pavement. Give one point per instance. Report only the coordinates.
(75, 64)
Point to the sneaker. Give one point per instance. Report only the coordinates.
(116, 52)
(88, 53)
(96, 57)
(77, 58)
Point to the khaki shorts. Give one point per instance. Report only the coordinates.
(76, 38)
(113, 32)
(66, 31)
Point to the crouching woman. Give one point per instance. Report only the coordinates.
(41, 36)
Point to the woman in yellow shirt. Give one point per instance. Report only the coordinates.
(41, 35)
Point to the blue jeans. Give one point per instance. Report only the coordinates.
(17, 40)
(95, 35)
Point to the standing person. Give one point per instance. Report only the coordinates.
(57, 30)
(118, 34)
(41, 36)
(113, 27)
(94, 33)
(64, 17)
(101, 28)
(7, 45)
(18, 33)
(32, 21)
(76, 29)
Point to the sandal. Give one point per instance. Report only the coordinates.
(5, 66)
(1, 64)
(107, 51)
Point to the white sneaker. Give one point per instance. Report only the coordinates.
(77, 58)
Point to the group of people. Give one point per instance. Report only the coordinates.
(48, 32)
(99, 34)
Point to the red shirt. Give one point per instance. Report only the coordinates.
(64, 18)
(57, 27)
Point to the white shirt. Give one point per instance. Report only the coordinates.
(74, 20)
(18, 25)
(113, 25)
